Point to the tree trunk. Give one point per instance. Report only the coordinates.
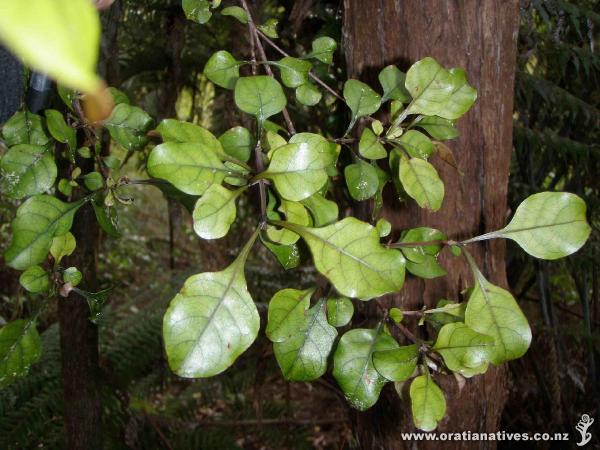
(479, 36)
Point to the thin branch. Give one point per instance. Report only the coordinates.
(421, 244)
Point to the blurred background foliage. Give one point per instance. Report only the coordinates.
(152, 53)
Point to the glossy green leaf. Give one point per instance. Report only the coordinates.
(422, 182)
(349, 254)
(353, 366)
(339, 311)
(361, 180)
(438, 127)
(428, 268)
(548, 225)
(428, 404)
(35, 280)
(27, 170)
(37, 222)
(294, 71)
(397, 364)
(57, 37)
(269, 28)
(286, 314)
(294, 212)
(128, 126)
(396, 315)
(493, 311)
(323, 211)
(59, 129)
(323, 48)
(72, 276)
(189, 167)
(223, 69)
(287, 255)
(237, 12)
(416, 144)
(215, 212)
(418, 253)
(261, 96)
(197, 10)
(24, 128)
(384, 227)
(430, 86)
(237, 142)
(361, 99)
(303, 356)
(392, 81)
(370, 147)
(62, 246)
(20, 347)
(461, 97)
(308, 94)
(464, 351)
(211, 321)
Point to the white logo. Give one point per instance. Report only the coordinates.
(582, 426)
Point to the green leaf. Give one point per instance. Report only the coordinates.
(446, 312)
(429, 268)
(24, 128)
(35, 280)
(323, 211)
(418, 253)
(438, 127)
(392, 81)
(339, 311)
(294, 71)
(72, 276)
(322, 49)
(237, 142)
(68, 96)
(57, 37)
(427, 403)
(172, 130)
(361, 179)
(464, 350)
(190, 167)
(461, 98)
(286, 313)
(370, 147)
(117, 95)
(93, 181)
(223, 69)
(384, 227)
(211, 321)
(215, 212)
(261, 96)
(396, 315)
(237, 12)
(197, 10)
(62, 246)
(128, 126)
(493, 311)
(361, 99)
(37, 222)
(107, 218)
(397, 364)
(548, 225)
(27, 170)
(308, 94)
(349, 254)
(294, 212)
(303, 356)
(300, 169)
(421, 181)
(416, 144)
(20, 347)
(59, 129)
(287, 255)
(430, 86)
(353, 366)
(269, 28)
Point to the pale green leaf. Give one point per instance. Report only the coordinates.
(422, 182)
(35, 280)
(62, 246)
(37, 222)
(294, 71)
(286, 313)
(353, 366)
(237, 12)
(237, 142)
(72, 275)
(323, 48)
(438, 127)
(269, 28)
(397, 364)
(323, 211)
(396, 315)
(461, 98)
(430, 86)
(261, 96)
(57, 37)
(361, 180)
(20, 347)
(384, 227)
(308, 94)
(370, 147)
(211, 321)
(27, 170)
(24, 128)
(339, 311)
(361, 99)
(392, 81)
(128, 126)
(349, 254)
(416, 144)
(428, 404)
(223, 69)
(303, 356)
(293, 212)
(197, 10)
(215, 212)
(464, 351)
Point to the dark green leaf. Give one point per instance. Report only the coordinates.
(27, 170)
(20, 347)
(392, 82)
(361, 179)
(24, 128)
